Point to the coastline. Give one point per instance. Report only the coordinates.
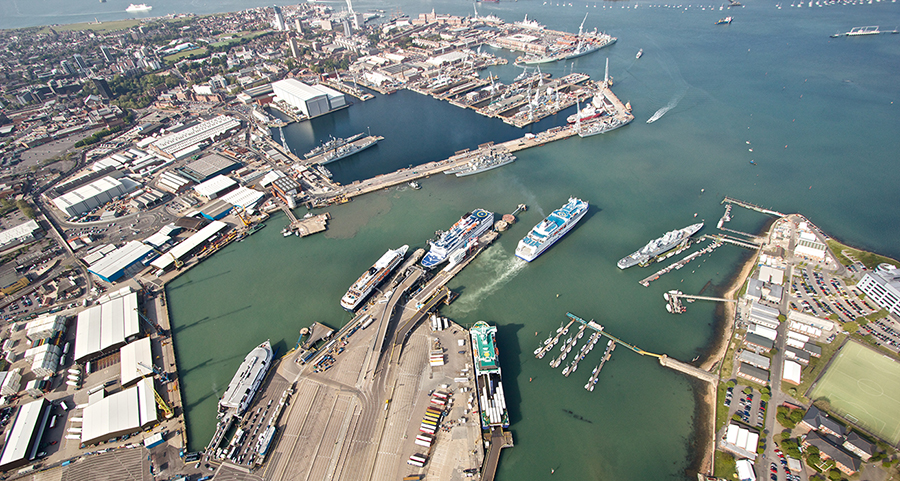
(706, 395)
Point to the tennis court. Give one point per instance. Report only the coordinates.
(863, 386)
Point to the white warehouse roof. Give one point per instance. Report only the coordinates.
(94, 194)
(136, 361)
(243, 197)
(190, 137)
(120, 259)
(186, 246)
(211, 188)
(22, 439)
(124, 412)
(106, 326)
(22, 232)
(791, 371)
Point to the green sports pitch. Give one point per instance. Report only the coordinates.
(863, 387)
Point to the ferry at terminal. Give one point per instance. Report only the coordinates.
(551, 229)
(466, 229)
(140, 7)
(658, 247)
(246, 381)
(488, 380)
(374, 276)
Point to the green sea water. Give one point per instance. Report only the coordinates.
(820, 115)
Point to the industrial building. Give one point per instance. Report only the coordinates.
(186, 142)
(243, 197)
(113, 265)
(883, 287)
(216, 209)
(125, 412)
(173, 183)
(136, 361)
(20, 234)
(207, 167)
(24, 437)
(188, 246)
(106, 327)
(215, 187)
(311, 100)
(93, 195)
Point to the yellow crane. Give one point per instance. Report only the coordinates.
(240, 213)
(177, 262)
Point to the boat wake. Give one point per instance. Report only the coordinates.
(499, 268)
(669, 106)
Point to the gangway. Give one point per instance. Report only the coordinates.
(748, 205)
(703, 298)
(731, 240)
(606, 333)
(664, 360)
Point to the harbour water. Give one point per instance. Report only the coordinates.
(821, 118)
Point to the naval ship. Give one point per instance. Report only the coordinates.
(348, 149)
(551, 229)
(469, 227)
(372, 277)
(246, 380)
(659, 246)
(487, 376)
(483, 163)
(334, 143)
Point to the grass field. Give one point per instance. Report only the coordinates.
(186, 53)
(863, 386)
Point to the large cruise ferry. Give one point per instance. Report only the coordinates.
(549, 230)
(246, 380)
(141, 7)
(469, 227)
(487, 376)
(372, 278)
(659, 246)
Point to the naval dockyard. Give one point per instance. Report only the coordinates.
(399, 391)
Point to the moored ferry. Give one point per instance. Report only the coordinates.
(466, 229)
(551, 229)
(372, 278)
(488, 377)
(246, 380)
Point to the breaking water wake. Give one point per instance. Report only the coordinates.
(669, 106)
(499, 268)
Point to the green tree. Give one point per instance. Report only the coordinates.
(26, 209)
(730, 383)
(834, 475)
(797, 415)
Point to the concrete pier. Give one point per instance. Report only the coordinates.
(679, 366)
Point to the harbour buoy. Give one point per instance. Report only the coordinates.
(558, 294)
